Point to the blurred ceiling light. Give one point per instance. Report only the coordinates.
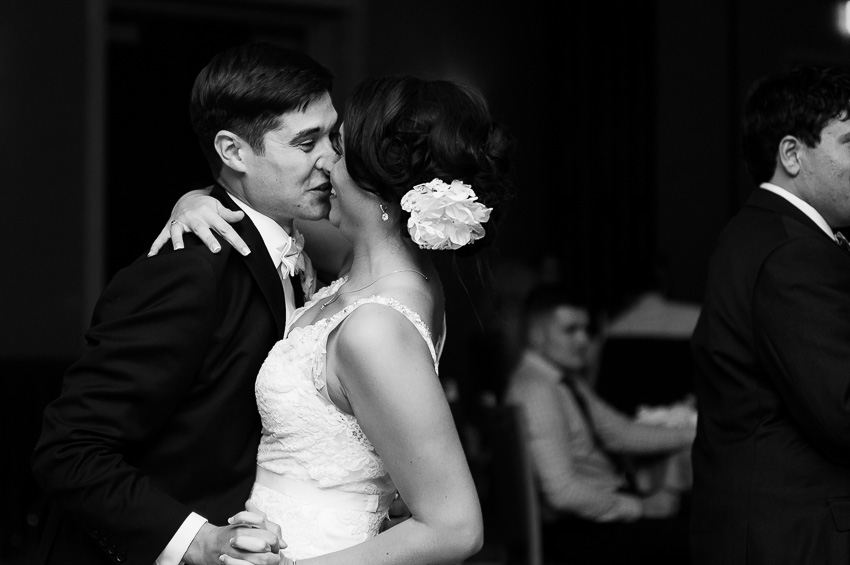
(844, 18)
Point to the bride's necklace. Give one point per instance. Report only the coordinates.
(338, 294)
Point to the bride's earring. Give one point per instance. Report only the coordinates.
(384, 215)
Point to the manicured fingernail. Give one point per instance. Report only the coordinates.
(230, 520)
(178, 246)
(216, 249)
(221, 558)
(245, 251)
(231, 541)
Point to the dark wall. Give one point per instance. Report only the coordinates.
(697, 136)
(42, 117)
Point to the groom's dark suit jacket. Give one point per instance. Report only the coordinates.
(772, 350)
(158, 417)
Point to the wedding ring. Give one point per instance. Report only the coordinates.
(174, 222)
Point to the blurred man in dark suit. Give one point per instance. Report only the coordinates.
(772, 345)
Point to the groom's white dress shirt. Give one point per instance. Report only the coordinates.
(275, 238)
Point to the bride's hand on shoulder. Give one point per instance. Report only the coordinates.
(198, 212)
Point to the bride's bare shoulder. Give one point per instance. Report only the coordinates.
(426, 300)
(376, 338)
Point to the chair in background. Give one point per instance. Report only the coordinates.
(512, 513)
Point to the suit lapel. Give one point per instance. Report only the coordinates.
(258, 260)
(767, 200)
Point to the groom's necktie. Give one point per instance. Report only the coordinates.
(291, 259)
(291, 264)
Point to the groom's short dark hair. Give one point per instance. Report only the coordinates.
(246, 88)
(798, 103)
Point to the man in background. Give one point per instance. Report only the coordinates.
(577, 441)
(772, 346)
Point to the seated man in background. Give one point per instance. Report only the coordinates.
(577, 441)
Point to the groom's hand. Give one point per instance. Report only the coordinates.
(398, 513)
(251, 537)
(256, 518)
(255, 545)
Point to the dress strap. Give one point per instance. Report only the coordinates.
(407, 312)
(336, 319)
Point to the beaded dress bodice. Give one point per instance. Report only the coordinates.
(314, 447)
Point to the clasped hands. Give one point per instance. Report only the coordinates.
(249, 539)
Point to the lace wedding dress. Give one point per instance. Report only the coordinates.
(318, 476)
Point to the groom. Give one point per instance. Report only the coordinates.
(772, 346)
(152, 444)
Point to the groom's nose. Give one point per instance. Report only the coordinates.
(327, 161)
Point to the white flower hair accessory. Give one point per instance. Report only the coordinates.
(444, 216)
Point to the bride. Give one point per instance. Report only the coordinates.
(353, 412)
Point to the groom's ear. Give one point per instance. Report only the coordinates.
(790, 153)
(231, 149)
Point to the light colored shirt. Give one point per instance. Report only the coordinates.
(176, 548)
(575, 474)
(801, 205)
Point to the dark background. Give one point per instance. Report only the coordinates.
(626, 115)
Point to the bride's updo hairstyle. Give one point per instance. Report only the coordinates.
(402, 131)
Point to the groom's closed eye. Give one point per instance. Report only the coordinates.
(305, 139)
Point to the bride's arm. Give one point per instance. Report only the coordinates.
(386, 370)
(198, 212)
